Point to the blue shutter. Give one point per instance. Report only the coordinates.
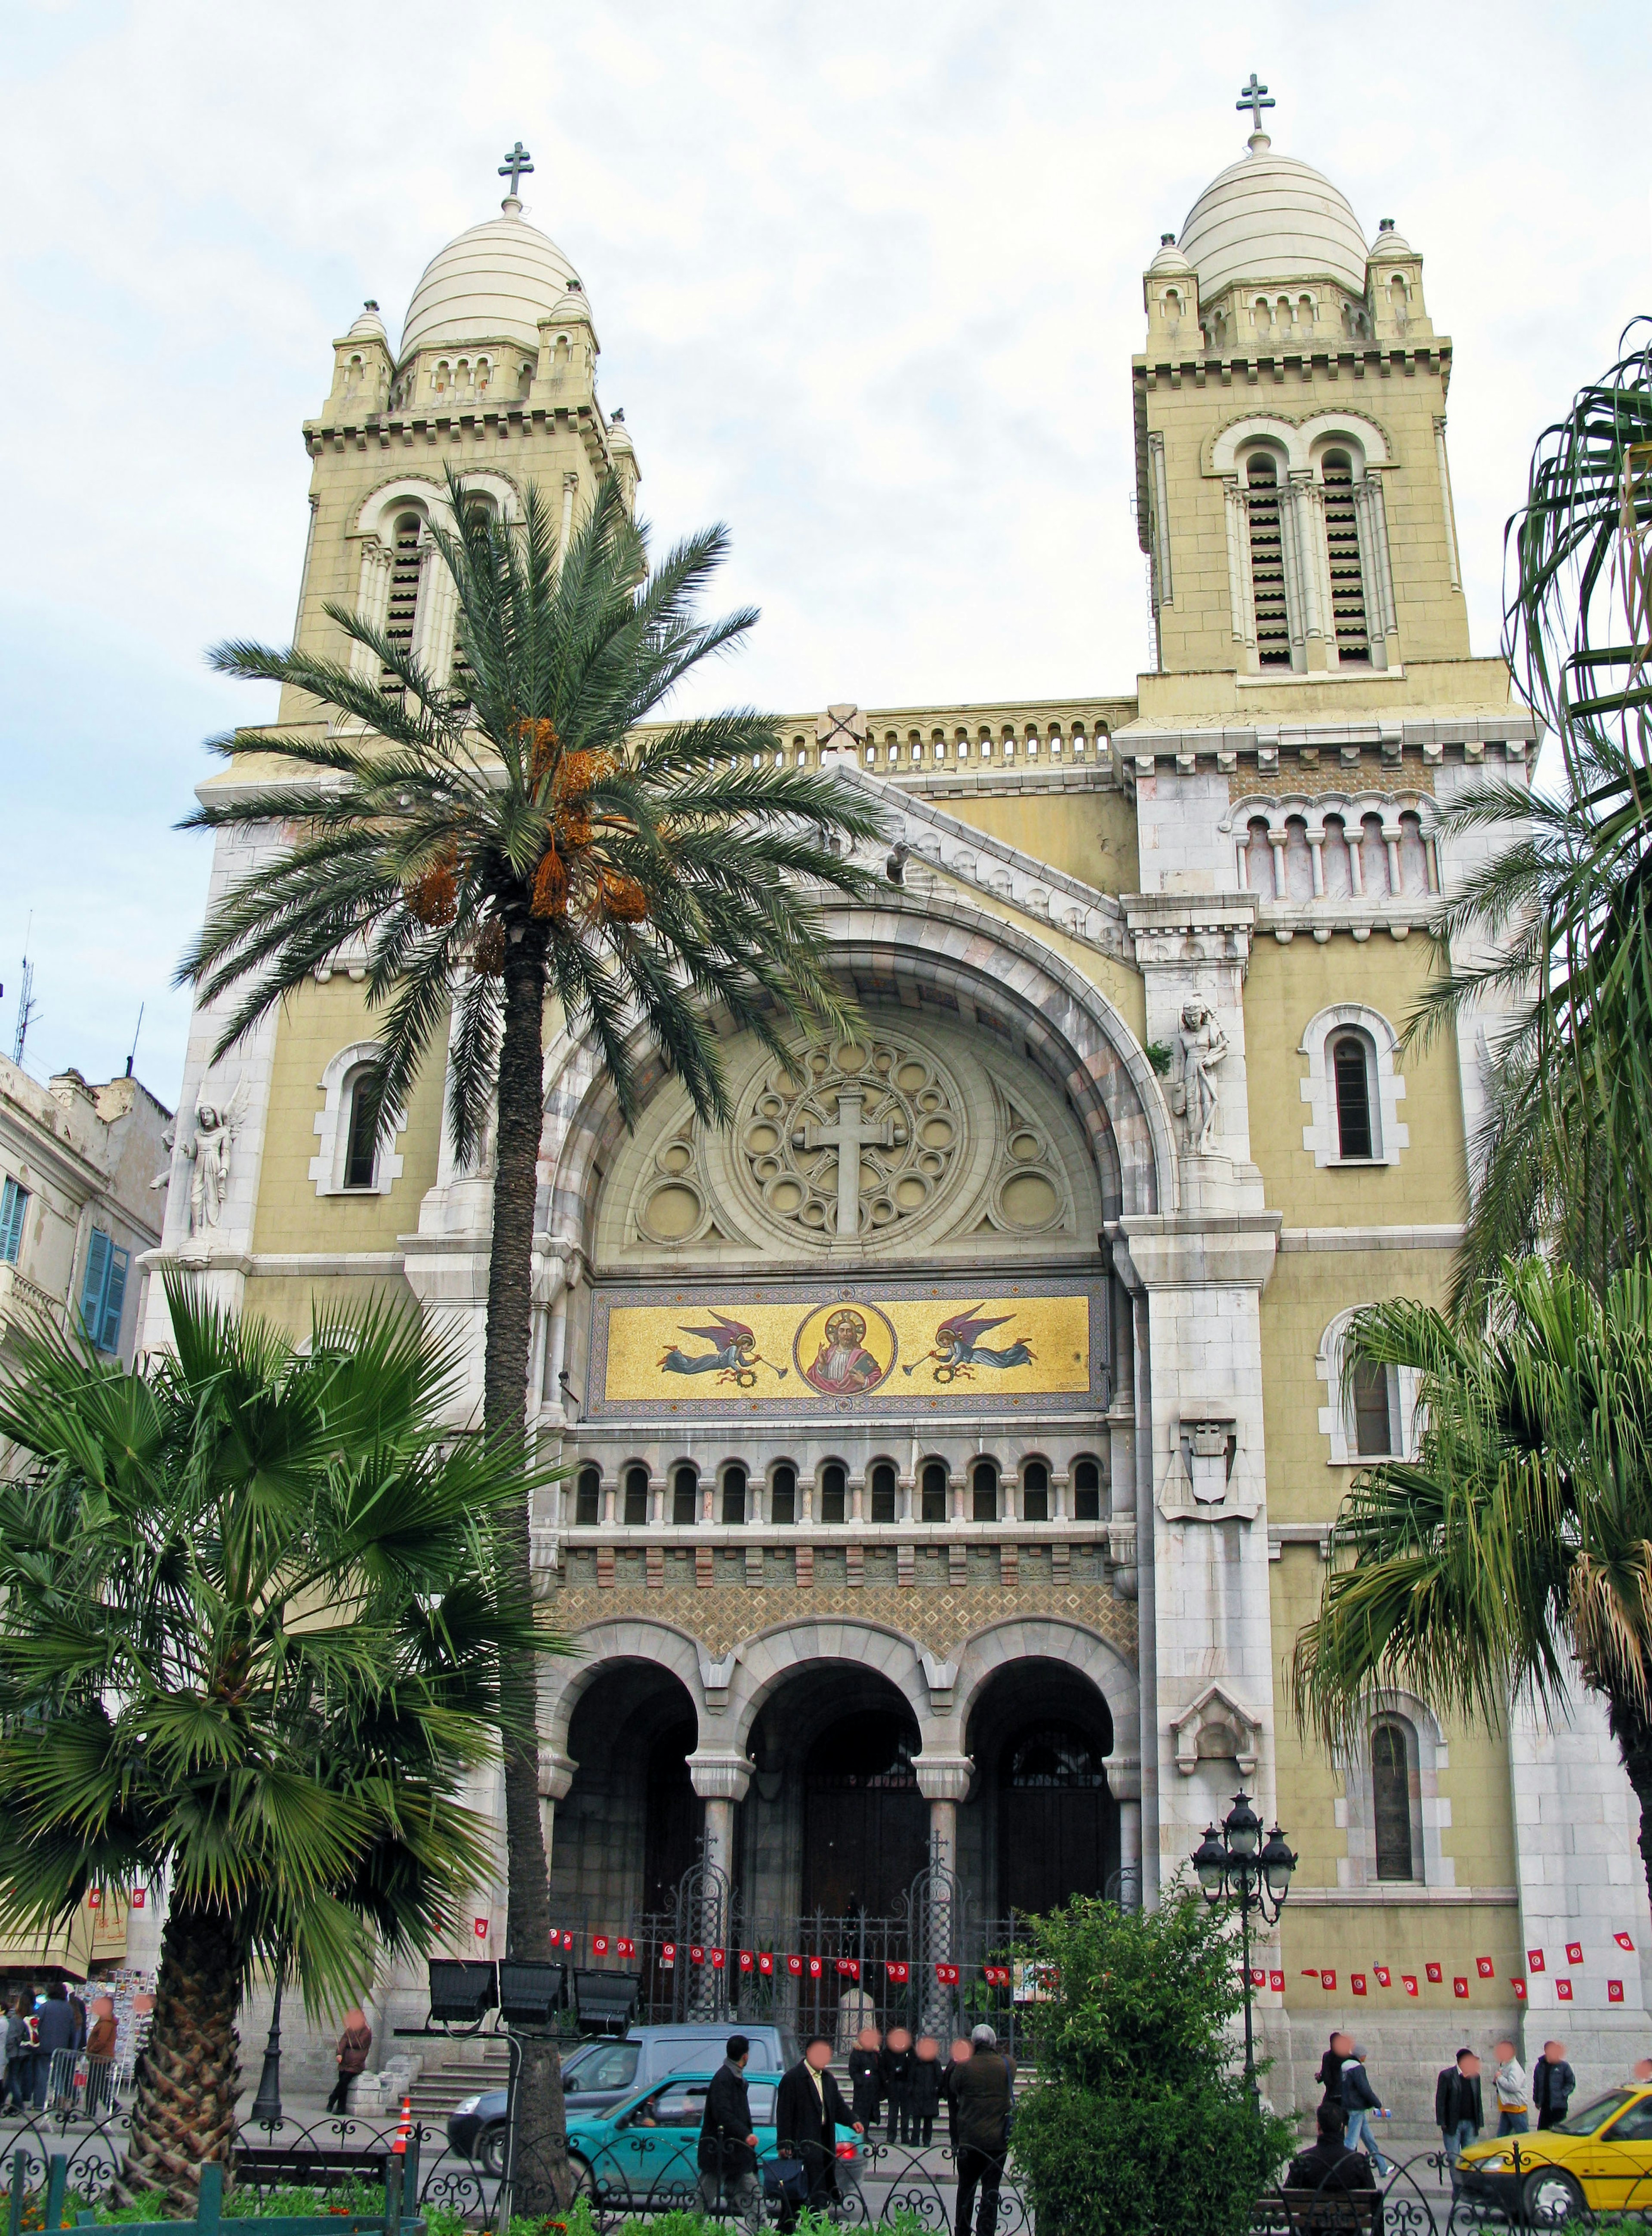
(110, 1338)
(96, 1281)
(14, 1201)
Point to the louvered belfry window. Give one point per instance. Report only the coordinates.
(1342, 547)
(1268, 563)
(405, 568)
(1391, 1797)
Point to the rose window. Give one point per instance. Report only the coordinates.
(851, 1138)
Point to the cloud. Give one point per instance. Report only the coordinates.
(867, 281)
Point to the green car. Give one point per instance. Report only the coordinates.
(645, 2152)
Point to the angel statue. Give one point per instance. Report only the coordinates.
(209, 1148)
(1201, 1046)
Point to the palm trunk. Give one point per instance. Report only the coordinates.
(183, 2111)
(540, 2183)
(1631, 1727)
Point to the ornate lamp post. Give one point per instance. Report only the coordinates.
(1235, 1864)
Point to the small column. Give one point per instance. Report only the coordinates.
(943, 1781)
(720, 1779)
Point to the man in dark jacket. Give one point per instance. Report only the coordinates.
(1552, 2082)
(985, 2089)
(727, 2153)
(55, 2029)
(1330, 2074)
(865, 2076)
(1360, 2104)
(808, 2111)
(1458, 2112)
(1330, 2164)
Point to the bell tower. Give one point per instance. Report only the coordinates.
(1294, 494)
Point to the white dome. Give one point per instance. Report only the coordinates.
(1270, 217)
(1169, 260)
(369, 326)
(495, 282)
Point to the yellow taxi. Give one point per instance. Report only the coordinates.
(1599, 2158)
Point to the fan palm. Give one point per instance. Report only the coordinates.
(519, 844)
(251, 1628)
(1517, 1546)
(1565, 1158)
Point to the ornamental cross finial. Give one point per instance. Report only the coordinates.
(1255, 97)
(519, 160)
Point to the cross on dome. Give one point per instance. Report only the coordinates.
(519, 160)
(1255, 97)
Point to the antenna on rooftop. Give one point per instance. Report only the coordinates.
(25, 997)
(133, 1058)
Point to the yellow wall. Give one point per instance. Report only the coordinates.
(1088, 834)
(313, 1027)
(288, 1303)
(1287, 987)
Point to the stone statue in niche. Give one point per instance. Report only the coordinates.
(1201, 1047)
(209, 1149)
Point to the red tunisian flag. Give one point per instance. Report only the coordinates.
(1624, 1941)
(899, 1973)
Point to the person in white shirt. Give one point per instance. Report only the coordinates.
(1513, 2090)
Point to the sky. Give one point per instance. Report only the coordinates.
(867, 280)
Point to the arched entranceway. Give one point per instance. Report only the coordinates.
(1042, 1825)
(833, 1823)
(626, 1830)
(865, 1822)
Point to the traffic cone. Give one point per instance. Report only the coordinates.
(405, 2128)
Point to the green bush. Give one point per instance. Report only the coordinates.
(1141, 2121)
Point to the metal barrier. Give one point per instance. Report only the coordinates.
(82, 2087)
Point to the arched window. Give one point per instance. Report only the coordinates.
(588, 1497)
(1086, 1490)
(735, 1494)
(1035, 1491)
(883, 1492)
(933, 1492)
(1054, 1754)
(1373, 1405)
(833, 1486)
(361, 1146)
(1268, 561)
(1351, 1066)
(782, 1495)
(636, 1496)
(983, 1490)
(407, 564)
(1342, 548)
(1390, 1798)
(685, 1494)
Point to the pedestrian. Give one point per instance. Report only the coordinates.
(1329, 2164)
(924, 2090)
(984, 2089)
(1511, 2089)
(808, 2111)
(959, 2054)
(865, 2077)
(350, 2057)
(895, 2071)
(1361, 2105)
(1330, 2073)
(53, 2031)
(1458, 2113)
(727, 2153)
(78, 2010)
(1552, 2082)
(19, 2085)
(1641, 2075)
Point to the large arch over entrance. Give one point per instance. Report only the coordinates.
(627, 1827)
(999, 979)
(1043, 1823)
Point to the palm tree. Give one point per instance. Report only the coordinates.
(518, 843)
(252, 1630)
(1565, 1159)
(1518, 1541)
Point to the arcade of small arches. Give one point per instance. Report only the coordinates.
(836, 1763)
(781, 1494)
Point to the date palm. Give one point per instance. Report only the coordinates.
(1517, 1543)
(1565, 1158)
(510, 842)
(251, 1628)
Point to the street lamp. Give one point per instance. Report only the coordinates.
(1233, 1864)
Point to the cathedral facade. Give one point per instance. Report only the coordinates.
(953, 1439)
